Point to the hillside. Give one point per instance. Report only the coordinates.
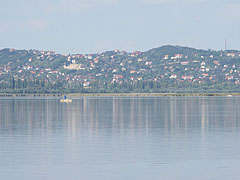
(163, 69)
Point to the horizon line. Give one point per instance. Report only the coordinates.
(181, 46)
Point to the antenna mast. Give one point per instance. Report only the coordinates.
(225, 43)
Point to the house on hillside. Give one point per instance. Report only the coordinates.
(187, 77)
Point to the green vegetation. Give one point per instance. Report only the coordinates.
(168, 69)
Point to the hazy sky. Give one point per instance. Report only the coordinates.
(88, 26)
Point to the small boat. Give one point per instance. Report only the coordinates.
(65, 100)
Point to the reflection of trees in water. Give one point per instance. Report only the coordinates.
(117, 114)
(17, 114)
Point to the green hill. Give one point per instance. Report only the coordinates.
(163, 69)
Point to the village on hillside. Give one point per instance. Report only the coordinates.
(155, 70)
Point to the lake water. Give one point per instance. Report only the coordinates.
(120, 138)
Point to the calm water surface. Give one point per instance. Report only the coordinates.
(120, 138)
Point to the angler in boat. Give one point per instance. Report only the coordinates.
(65, 99)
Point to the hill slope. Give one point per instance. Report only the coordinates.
(163, 69)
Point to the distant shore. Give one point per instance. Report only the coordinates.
(117, 94)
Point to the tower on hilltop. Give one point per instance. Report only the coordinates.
(225, 43)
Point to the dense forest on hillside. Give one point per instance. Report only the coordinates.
(165, 69)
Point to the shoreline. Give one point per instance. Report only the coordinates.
(118, 94)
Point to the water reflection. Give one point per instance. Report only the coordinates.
(107, 138)
(120, 114)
